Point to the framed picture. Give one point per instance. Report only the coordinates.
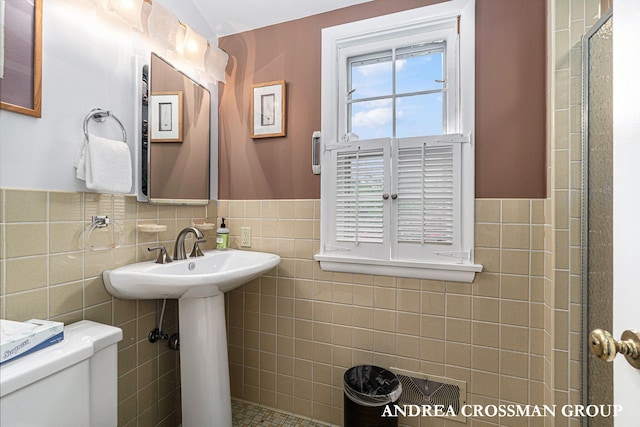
(268, 117)
(166, 116)
(21, 57)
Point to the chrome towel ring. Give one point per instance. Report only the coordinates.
(99, 115)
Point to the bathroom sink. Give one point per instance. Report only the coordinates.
(212, 274)
(199, 284)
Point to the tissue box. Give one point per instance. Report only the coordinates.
(21, 338)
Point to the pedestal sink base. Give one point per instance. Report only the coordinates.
(199, 284)
(204, 363)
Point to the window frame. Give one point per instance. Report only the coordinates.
(370, 36)
(444, 31)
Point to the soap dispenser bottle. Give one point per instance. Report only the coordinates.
(222, 238)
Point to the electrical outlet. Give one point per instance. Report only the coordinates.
(245, 237)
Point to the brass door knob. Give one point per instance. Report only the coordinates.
(605, 347)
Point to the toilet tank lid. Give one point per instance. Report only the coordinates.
(81, 341)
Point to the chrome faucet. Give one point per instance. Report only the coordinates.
(179, 252)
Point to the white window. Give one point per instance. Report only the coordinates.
(397, 144)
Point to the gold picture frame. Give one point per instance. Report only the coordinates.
(165, 117)
(268, 109)
(21, 85)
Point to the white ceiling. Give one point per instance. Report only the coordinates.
(226, 17)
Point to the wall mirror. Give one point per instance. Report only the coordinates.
(21, 56)
(175, 136)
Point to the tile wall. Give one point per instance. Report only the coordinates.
(568, 21)
(46, 273)
(293, 332)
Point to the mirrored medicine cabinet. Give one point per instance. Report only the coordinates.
(175, 132)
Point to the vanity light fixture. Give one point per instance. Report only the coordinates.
(129, 10)
(195, 46)
(180, 37)
(163, 26)
(166, 29)
(215, 63)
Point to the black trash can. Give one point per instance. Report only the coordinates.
(367, 391)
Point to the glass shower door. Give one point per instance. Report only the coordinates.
(597, 209)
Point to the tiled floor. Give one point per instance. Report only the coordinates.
(248, 415)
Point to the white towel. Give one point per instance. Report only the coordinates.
(80, 160)
(104, 164)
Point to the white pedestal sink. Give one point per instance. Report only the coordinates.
(199, 284)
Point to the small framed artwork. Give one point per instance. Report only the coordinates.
(268, 116)
(21, 57)
(166, 116)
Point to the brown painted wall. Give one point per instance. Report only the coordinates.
(510, 101)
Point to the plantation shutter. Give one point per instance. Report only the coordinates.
(360, 183)
(427, 182)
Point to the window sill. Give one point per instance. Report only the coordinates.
(417, 270)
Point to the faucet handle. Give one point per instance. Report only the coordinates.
(163, 256)
(196, 252)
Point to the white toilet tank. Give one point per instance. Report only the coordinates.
(72, 383)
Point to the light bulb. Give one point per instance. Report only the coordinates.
(195, 46)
